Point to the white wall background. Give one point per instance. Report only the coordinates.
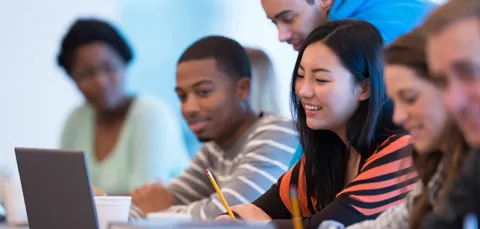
(35, 96)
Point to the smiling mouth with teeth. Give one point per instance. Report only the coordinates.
(312, 108)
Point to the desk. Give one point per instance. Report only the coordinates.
(5, 226)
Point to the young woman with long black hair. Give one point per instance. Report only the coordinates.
(357, 162)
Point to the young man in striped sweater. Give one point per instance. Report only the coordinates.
(245, 151)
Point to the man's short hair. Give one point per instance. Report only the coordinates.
(231, 57)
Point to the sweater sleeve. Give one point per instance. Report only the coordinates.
(271, 203)
(383, 182)
(191, 186)
(265, 158)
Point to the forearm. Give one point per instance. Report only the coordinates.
(167, 200)
(271, 203)
(190, 186)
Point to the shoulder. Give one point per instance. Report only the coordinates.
(385, 178)
(394, 152)
(80, 114)
(270, 123)
(274, 131)
(394, 143)
(76, 125)
(392, 159)
(403, 15)
(151, 109)
(147, 104)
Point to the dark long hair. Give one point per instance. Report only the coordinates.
(409, 51)
(359, 46)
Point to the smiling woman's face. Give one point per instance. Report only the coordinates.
(326, 89)
(419, 107)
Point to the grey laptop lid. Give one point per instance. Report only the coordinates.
(56, 189)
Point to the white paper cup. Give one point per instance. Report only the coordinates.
(14, 203)
(112, 209)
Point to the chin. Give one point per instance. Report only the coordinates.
(427, 143)
(103, 106)
(202, 138)
(315, 125)
(422, 148)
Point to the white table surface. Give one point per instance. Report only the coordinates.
(6, 226)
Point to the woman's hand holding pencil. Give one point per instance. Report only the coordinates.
(220, 194)
(248, 212)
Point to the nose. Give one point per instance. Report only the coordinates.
(304, 90)
(455, 96)
(101, 80)
(190, 106)
(399, 115)
(284, 33)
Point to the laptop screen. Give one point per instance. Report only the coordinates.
(56, 188)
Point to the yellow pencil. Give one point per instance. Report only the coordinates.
(297, 217)
(222, 198)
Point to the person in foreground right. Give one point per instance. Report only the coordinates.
(453, 52)
(420, 110)
(357, 162)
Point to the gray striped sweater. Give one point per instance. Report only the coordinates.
(243, 172)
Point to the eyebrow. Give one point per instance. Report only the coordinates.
(315, 70)
(403, 92)
(276, 17)
(177, 89)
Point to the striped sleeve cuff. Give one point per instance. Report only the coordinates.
(136, 213)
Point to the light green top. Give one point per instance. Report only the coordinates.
(149, 148)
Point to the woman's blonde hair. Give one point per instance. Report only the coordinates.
(263, 95)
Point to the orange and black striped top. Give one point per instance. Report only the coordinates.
(382, 182)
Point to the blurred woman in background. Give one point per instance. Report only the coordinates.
(264, 93)
(129, 140)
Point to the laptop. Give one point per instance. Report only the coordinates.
(56, 189)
